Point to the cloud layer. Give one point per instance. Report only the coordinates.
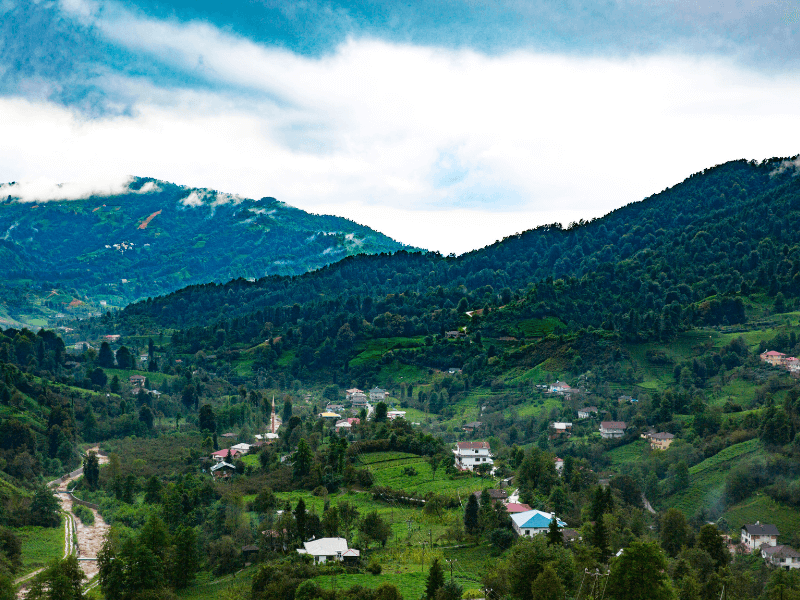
(442, 147)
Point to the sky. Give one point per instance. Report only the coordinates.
(445, 124)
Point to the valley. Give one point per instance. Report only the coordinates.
(629, 385)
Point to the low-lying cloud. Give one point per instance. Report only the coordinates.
(46, 191)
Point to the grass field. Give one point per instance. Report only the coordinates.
(707, 479)
(225, 588)
(40, 545)
(388, 472)
(628, 454)
(763, 508)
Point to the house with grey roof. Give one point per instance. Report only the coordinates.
(783, 557)
(759, 534)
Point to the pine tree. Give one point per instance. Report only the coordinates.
(554, 535)
(435, 579)
(471, 514)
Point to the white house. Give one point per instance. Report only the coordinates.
(325, 549)
(377, 394)
(243, 448)
(469, 455)
(585, 413)
(532, 522)
(396, 414)
(759, 534)
(784, 557)
(612, 429)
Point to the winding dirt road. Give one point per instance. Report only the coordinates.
(90, 537)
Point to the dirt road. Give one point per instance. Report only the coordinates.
(90, 537)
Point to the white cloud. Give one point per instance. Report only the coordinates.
(43, 190)
(443, 149)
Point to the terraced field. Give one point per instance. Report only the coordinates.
(707, 479)
(763, 508)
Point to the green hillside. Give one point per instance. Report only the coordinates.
(76, 258)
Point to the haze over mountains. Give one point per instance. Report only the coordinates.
(78, 256)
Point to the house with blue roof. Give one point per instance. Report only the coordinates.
(531, 522)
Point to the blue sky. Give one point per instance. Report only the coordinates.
(444, 124)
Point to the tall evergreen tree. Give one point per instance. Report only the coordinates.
(435, 579)
(471, 515)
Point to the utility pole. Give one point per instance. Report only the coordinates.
(422, 568)
(450, 562)
(430, 537)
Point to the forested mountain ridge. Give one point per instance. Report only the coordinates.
(650, 268)
(67, 256)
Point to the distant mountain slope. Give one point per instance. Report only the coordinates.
(156, 238)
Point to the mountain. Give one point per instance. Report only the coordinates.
(682, 257)
(77, 257)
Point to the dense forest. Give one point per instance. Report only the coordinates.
(656, 316)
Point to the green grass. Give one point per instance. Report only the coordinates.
(230, 587)
(707, 478)
(389, 473)
(627, 455)
(40, 545)
(763, 508)
(539, 327)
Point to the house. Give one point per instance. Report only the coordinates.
(612, 429)
(773, 358)
(325, 549)
(137, 380)
(559, 464)
(585, 413)
(222, 469)
(759, 534)
(496, 495)
(359, 400)
(533, 522)
(453, 371)
(222, 455)
(784, 557)
(792, 364)
(114, 337)
(560, 430)
(516, 507)
(472, 426)
(243, 447)
(334, 408)
(347, 423)
(348, 395)
(660, 441)
(453, 334)
(330, 416)
(377, 394)
(624, 399)
(469, 455)
(396, 414)
(559, 387)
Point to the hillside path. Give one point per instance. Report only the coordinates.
(90, 537)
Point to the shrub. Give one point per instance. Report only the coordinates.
(84, 514)
(320, 490)
(374, 567)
